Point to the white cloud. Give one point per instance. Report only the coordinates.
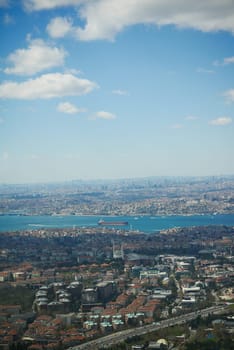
(229, 94)
(120, 92)
(105, 18)
(228, 60)
(37, 57)
(36, 5)
(59, 27)
(104, 115)
(47, 86)
(4, 3)
(224, 62)
(69, 108)
(221, 121)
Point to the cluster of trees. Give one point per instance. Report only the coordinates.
(18, 295)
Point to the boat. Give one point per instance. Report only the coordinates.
(112, 223)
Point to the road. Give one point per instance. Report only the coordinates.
(118, 337)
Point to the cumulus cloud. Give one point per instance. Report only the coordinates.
(47, 86)
(37, 57)
(59, 27)
(229, 94)
(37, 5)
(221, 121)
(105, 18)
(69, 108)
(104, 115)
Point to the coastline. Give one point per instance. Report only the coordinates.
(118, 216)
(142, 223)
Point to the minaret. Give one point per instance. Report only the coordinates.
(118, 251)
(122, 251)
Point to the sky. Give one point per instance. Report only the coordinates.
(107, 89)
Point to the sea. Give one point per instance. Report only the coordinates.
(147, 224)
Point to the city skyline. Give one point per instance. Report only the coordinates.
(115, 89)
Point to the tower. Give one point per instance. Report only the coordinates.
(118, 251)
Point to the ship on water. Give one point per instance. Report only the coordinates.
(112, 223)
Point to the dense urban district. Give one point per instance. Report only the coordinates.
(110, 287)
(64, 288)
(149, 196)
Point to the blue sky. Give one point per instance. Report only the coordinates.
(105, 89)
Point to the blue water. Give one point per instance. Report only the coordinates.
(147, 224)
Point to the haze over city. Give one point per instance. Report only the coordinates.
(115, 89)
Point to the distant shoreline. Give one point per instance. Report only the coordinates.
(117, 216)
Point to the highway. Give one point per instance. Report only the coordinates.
(118, 337)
